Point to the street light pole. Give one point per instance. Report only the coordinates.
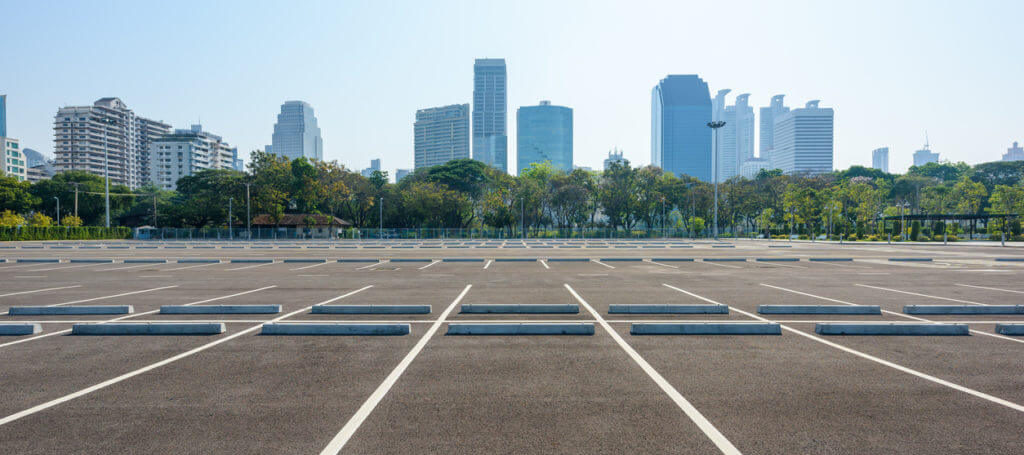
(106, 165)
(58, 209)
(248, 220)
(714, 127)
(381, 226)
(522, 218)
(231, 235)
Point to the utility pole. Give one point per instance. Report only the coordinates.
(58, 209)
(248, 219)
(381, 226)
(522, 218)
(230, 233)
(714, 127)
(76, 184)
(154, 210)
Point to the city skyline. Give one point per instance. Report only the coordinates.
(605, 78)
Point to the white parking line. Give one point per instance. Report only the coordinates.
(488, 264)
(339, 440)
(966, 285)
(779, 264)
(135, 315)
(112, 296)
(67, 267)
(664, 265)
(19, 266)
(602, 263)
(545, 264)
(40, 290)
(721, 265)
(872, 358)
(371, 265)
(309, 266)
(921, 295)
(126, 268)
(192, 266)
(110, 382)
(902, 315)
(251, 266)
(702, 422)
(428, 265)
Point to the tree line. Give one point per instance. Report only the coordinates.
(469, 194)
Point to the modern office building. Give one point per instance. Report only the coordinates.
(1015, 153)
(186, 152)
(768, 115)
(803, 140)
(490, 112)
(544, 133)
(925, 156)
(374, 167)
(440, 134)
(401, 174)
(753, 166)
(14, 164)
(614, 156)
(81, 135)
(880, 159)
(236, 162)
(3, 115)
(736, 138)
(680, 137)
(296, 134)
(39, 167)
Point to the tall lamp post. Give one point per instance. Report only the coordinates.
(106, 164)
(714, 127)
(381, 226)
(58, 209)
(248, 219)
(231, 235)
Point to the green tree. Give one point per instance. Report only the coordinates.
(10, 219)
(39, 220)
(16, 196)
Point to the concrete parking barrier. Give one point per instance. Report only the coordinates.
(90, 261)
(251, 261)
(780, 246)
(568, 259)
(621, 259)
(69, 310)
(304, 261)
(462, 260)
(1010, 329)
(371, 309)
(910, 259)
(891, 329)
(963, 309)
(576, 328)
(778, 259)
(515, 259)
(723, 246)
(358, 260)
(40, 260)
(19, 329)
(668, 309)
(522, 308)
(411, 260)
(819, 309)
(724, 259)
(149, 328)
(220, 309)
(334, 329)
(706, 328)
(145, 261)
(1009, 259)
(830, 259)
(198, 261)
(672, 259)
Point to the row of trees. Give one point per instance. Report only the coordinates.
(469, 194)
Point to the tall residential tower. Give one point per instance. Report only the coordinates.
(680, 137)
(186, 152)
(544, 133)
(804, 140)
(880, 159)
(768, 115)
(490, 112)
(296, 133)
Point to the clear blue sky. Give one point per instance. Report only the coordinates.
(891, 69)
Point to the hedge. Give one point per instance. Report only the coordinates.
(64, 233)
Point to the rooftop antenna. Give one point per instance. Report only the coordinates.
(926, 140)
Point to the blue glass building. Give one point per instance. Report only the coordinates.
(3, 115)
(296, 133)
(490, 112)
(680, 137)
(544, 133)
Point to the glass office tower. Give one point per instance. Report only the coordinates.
(544, 133)
(680, 137)
(490, 112)
(296, 133)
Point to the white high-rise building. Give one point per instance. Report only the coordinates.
(768, 115)
(753, 166)
(401, 174)
(925, 156)
(614, 156)
(880, 159)
(186, 152)
(803, 140)
(374, 166)
(1015, 153)
(81, 134)
(440, 134)
(490, 112)
(296, 134)
(14, 163)
(736, 137)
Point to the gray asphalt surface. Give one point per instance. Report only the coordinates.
(246, 393)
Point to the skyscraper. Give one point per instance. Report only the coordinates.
(768, 115)
(186, 152)
(544, 133)
(925, 156)
(374, 167)
(737, 136)
(614, 156)
(804, 140)
(440, 134)
(3, 115)
(1015, 153)
(880, 159)
(680, 137)
(490, 112)
(296, 133)
(82, 133)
